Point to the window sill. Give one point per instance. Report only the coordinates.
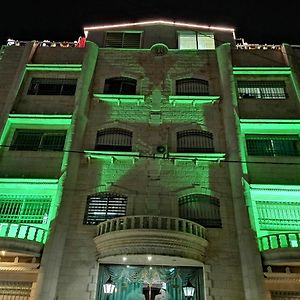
(197, 157)
(119, 99)
(112, 156)
(193, 100)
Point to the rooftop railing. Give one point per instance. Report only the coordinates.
(246, 46)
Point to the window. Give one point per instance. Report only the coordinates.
(195, 141)
(196, 40)
(24, 209)
(262, 89)
(114, 139)
(104, 206)
(202, 209)
(52, 86)
(35, 140)
(192, 86)
(273, 145)
(120, 85)
(123, 40)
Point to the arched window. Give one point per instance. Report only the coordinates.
(191, 87)
(114, 139)
(103, 206)
(202, 209)
(195, 141)
(120, 85)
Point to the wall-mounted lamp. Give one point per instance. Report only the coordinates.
(109, 286)
(188, 290)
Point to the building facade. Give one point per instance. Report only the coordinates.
(152, 156)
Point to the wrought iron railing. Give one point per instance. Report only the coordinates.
(23, 231)
(279, 240)
(151, 222)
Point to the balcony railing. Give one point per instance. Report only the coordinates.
(279, 241)
(151, 222)
(23, 231)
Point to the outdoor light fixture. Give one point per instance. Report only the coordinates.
(109, 287)
(188, 290)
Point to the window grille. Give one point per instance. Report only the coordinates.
(104, 206)
(262, 89)
(195, 141)
(120, 85)
(123, 40)
(192, 87)
(24, 209)
(52, 86)
(114, 139)
(38, 140)
(276, 145)
(202, 209)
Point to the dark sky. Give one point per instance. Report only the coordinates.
(256, 21)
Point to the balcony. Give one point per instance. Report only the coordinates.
(22, 238)
(136, 239)
(281, 248)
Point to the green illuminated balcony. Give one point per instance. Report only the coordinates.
(166, 239)
(280, 248)
(22, 238)
(23, 231)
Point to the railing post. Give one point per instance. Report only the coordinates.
(7, 230)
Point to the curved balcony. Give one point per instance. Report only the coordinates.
(280, 248)
(167, 240)
(22, 238)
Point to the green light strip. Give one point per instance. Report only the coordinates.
(193, 99)
(111, 154)
(261, 70)
(269, 126)
(276, 187)
(116, 98)
(54, 67)
(28, 180)
(200, 156)
(40, 119)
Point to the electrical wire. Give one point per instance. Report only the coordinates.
(166, 156)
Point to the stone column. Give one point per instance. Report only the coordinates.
(52, 257)
(251, 265)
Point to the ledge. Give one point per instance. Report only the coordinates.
(270, 126)
(193, 99)
(54, 67)
(112, 155)
(119, 99)
(198, 157)
(261, 70)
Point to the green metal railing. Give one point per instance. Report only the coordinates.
(279, 240)
(23, 231)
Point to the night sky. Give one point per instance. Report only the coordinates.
(256, 21)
